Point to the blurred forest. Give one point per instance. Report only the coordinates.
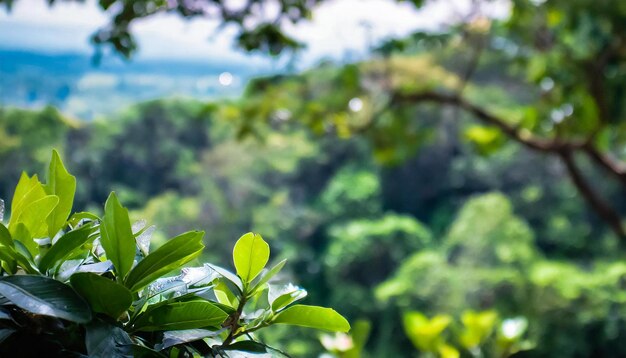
(456, 193)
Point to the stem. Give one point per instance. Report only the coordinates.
(234, 325)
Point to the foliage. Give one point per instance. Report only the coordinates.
(481, 334)
(80, 284)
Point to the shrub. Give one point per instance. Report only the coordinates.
(76, 285)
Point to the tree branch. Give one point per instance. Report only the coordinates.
(601, 207)
(519, 135)
(564, 149)
(608, 163)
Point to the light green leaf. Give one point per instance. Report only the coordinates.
(63, 185)
(224, 295)
(102, 294)
(34, 216)
(268, 275)
(180, 315)
(229, 277)
(313, 317)
(116, 236)
(172, 255)
(28, 190)
(250, 255)
(45, 296)
(286, 296)
(66, 246)
(23, 240)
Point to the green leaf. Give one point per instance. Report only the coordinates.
(313, 317)
(172, 255)
(172, 338)
(5, 333)
(228, 276)
(45, 296)
(268, 275)
(105, 340)
(250, 255)
(102, 294)
(6, 247)
(63, 185)
(34, 215)
(180, 315)
(66, 246)
(116, 236)
(145, 352)
(23, 239)
(246, 346)
(24, 260)
(77, 217)
(28, 189)
(287, 297)
(5, 236)
(224, 295)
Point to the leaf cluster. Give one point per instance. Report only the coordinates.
(90, 286)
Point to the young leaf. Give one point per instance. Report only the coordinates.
(313, 317)
(28, 189)
(180, 315)
(117, 238)
(250, 255)
(268, 275)
(63, 185)
(23, 241)
(103, 295)
(45, 296)
(66, 246)
(33, 216)
(173, 254)
(224, 295)
(285, 296)
(229, 276)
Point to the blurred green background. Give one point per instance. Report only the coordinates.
(453, 192)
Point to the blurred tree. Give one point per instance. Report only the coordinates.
(566, 58)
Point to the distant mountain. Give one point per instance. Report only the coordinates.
(81, 88)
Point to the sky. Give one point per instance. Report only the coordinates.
(337, 29)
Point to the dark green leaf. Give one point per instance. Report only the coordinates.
(5, 236)
(172, 338)
(145, 352)
(103, 295)
(5, 333)
(246, 346)
(45, 296)
(180, 315)
(172, 255)
(66, 246)
(105, 340)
